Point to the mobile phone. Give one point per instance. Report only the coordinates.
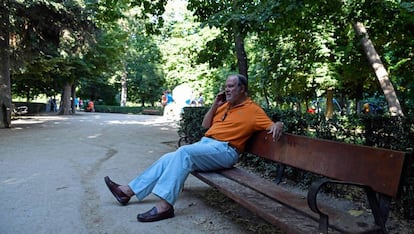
(222, 97)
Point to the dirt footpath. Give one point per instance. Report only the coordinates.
(52, 170)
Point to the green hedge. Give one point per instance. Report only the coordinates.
(190, 123)
(126, 110)
(378, 131)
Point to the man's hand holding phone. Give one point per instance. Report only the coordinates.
(221, 98)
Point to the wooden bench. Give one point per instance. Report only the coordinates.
(376, 171)
(151, 112)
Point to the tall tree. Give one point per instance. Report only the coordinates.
(380, 71)
(5, 90)
(144, 76)
(124, 88)
(232, 18)
(180, 41)
(46, 34)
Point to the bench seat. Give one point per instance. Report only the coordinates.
(376, 171)
(279, 206)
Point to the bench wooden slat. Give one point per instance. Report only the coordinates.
(336, 160)
(265, 207)
(339, 219)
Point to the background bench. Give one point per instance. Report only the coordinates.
(151, 112)
(377, 171)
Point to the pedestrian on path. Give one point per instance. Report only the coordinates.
(231, 120)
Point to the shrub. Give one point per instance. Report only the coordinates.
(124, 109)
(190, 129)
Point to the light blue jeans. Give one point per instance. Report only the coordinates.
(167, 175)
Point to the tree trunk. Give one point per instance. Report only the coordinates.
(266, 96)
(380, 71)
(241, 54)
(329, 104)
(124, 88)
(239, 44)
(65, 103)
(5, 90)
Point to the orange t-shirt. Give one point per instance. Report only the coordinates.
(237, 124)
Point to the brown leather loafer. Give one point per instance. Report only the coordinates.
(153, 215)
(118, 194)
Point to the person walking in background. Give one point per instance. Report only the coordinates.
(53, 105)
(90, 107)
(200, 100)
(77, 103)
(166, 98)
(231, 121)
(80, 104)
(163, 99)
(166, 101)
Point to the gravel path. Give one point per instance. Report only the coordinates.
(52, 170)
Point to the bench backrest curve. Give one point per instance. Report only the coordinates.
(379, 168)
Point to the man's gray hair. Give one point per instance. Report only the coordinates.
(242, 80)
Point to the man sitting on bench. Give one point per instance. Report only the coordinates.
(231, 120)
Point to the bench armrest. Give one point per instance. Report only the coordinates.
(379, 217)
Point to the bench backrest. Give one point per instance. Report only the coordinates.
(379, 168)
